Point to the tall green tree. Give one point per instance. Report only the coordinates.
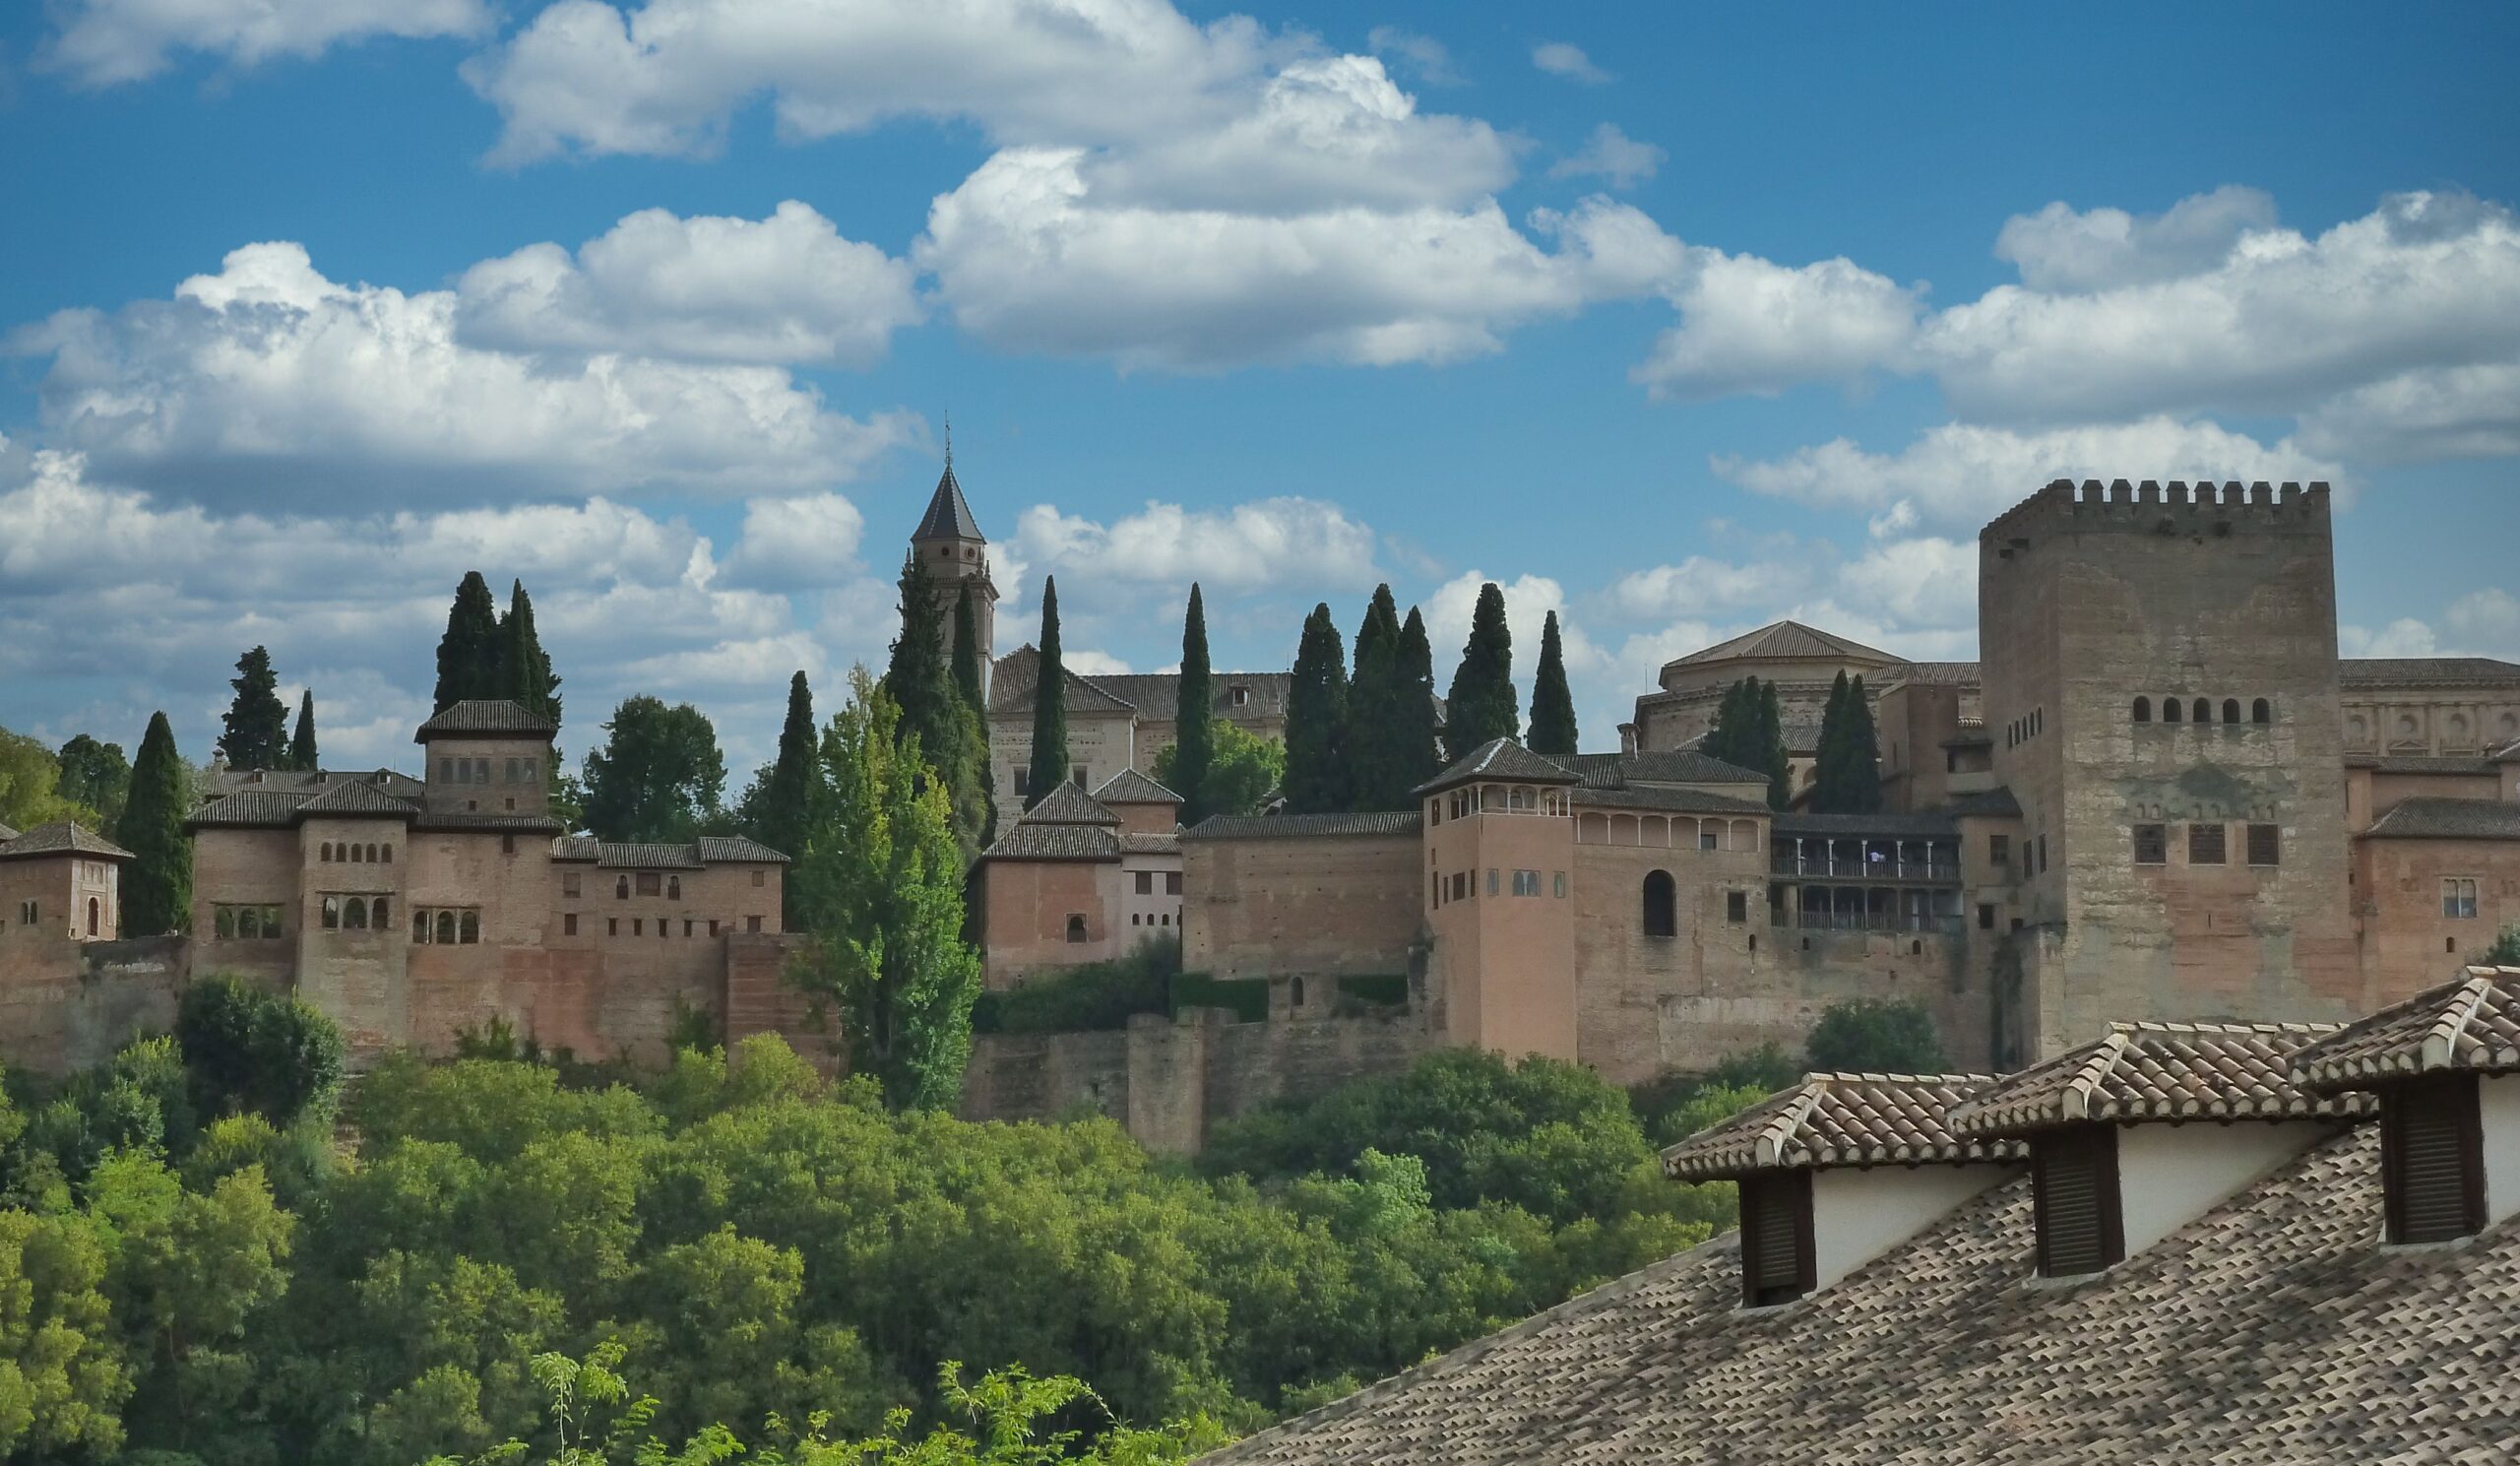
(1481, 704)
(256, 723)
(1848, 765)
(95, 775)
(969, 673)
(158, 885)
(1424, 753)
(1379, 760)
(1317, 720)
(1244, 772)
(774, 810)
(31, 785)
(469, 655)
(881, 881)
(523, 668)
(1770, 747)
(659, 775)
(1050, 704)
(1193, 748)
(302, 753)
(936, 713)
(1553, 725)
(1749, 729)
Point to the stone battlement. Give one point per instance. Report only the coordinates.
(2152, 507)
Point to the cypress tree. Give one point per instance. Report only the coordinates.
(1825, 756)
(467, 656)
(1380, 767)
(933, 710)
(158, 885)
(257, 722)
(522, 669)
(1850, 755)
(1771, 747)
(1481, 704)
(1733, 732)
(1316, 720)
(967, 681)
(1422, 757)
(1552, 727)
(301, 745)
(1049, 703)
(788, 793)
(1194, 737)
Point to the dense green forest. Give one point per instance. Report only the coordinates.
(212, 1254)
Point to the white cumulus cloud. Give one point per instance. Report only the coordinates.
(2062, 249)
(101, 42)
(1750, 326)
(1562, 58)
(1610, 153)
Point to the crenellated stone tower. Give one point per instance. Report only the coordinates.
(949, 543)
(2161, 693)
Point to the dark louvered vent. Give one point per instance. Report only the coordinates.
(2075, 1201)
(2431, 1160)
(1776, 1238)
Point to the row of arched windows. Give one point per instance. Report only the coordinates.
(370, 854)
(2020, 730)
(2201, 710)
(355, 913)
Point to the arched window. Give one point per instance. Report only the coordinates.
(355, 915)
(226, 922)
(2143, 710)
(376, 913)
(1294, 992)
(446, 929)
(471, 926)
(327, 856)
(2170, 710)
(94, 916)
(371, 855)
(2261, 711)
(2230, 710)
(249, 923)
(1075, 927)
(332, 913)
(621, 889)
(1662, 905)
(2203, 712)
(674, 887)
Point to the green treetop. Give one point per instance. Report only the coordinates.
(1317, 720)
(1849, 753)
(302, 753)
(523, 670)
(1876, 1036)
(94, 775)
(1481, 704)
(1050, 704)
(1553, 725)
(257, 722)
(1770, 748)
(772, 810)
(1193, 748)
(968, 674)
(1421, 748)
(158, 885)
(659, 775)
(1379, 762)
(469, 654)
(1244, 770)
(881, 882)
(935, 712)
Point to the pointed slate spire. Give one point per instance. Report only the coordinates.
(948, 516)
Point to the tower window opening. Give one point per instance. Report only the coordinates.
(2261, 711)
(2143, 710)
(2170, 710)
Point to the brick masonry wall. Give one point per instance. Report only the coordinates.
(1329, 904)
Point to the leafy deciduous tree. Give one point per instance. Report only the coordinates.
(1876, 1036)
(1244, 771)
(95, 775)
(659, 775)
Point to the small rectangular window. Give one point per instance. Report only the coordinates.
(1561, 885)
(638, 926)
(2205, 845)
(1172, 883)
(569, 883)
(1986, 917)
(1707, 837)
(1078, 775)
(1024, 784)
(2265, 844)
(2431, 1160)
(1776, 1238)
(2042, 855)
(612, 925)
(1526, 882)
(2074, 1201)
(2152, 845)
(1492, 880)
(569, 925)
(712, 925)
(752, 924)
(2458, 898)
(758, 879)
(1736, 907)
(2000, 849)
(1145, 882)
(688, 925)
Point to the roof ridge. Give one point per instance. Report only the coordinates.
(2442, 1042)
(2219, 1026)
(1770, 1143)
(2094, 1071)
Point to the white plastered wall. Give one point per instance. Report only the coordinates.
(2168, 1176)
(2498, 1104)
(1856, 1215)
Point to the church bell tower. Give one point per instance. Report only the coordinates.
(949, 543)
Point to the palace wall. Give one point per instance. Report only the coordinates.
(1346, 904)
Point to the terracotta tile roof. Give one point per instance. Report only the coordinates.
(1028, 841)
(7, 834)
(2473, 1023)
(1933, 674)
(223, 781)
(1129, 786)
(1150, 845)
(1012, 680)
(61, 837)
(2410, 671)
(248, 809)
(1671, 766)
(735, 850)
(1500, 759)
(492, 717)
(1305, 826)
(1784, 639)
(1158, 694)
(469, 821)
(356, 799)
(1842, 1120)
(2271, 1331)
(1068, 804)
(2431, 818)
(1672, 801)
(2162, 1071)
(612, 855)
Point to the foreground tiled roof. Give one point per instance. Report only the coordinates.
(1129, 786)
(2473, 1023)
(1028, 841)
(61, 837)
(2157, 1071)
(1068, 804)
(1150, 845)
(1784, 639)
(494, 822)
(735, 850)
(356, 799)
(2431, 818)
(615, 854)
(1018, 672)
(1842, 1120)
(1933, 674)
(2271, 1331)
(1304, 826)
(1500, 759)
(1671, 766)
(2402, 671)
(486, 716)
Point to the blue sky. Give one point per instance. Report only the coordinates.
(1672, 319)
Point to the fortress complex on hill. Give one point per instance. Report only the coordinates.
(2160, 795)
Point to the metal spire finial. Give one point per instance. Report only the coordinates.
(949, 440)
